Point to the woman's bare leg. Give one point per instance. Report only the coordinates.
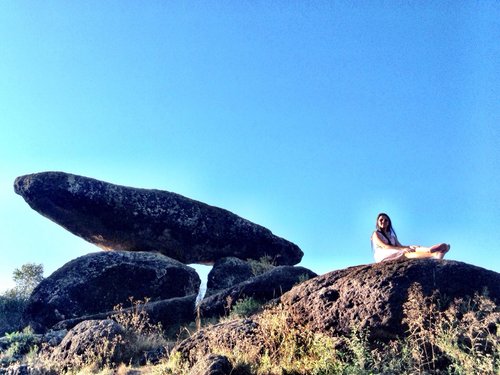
(436, 251)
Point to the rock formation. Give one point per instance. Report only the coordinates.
(116, 217)
(372, 296)
(96, 282)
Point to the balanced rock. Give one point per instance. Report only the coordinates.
(97, 282)
(372, 296)
(116, 217)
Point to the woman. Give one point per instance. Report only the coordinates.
(386, 246)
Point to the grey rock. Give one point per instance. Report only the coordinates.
(96, 282)
(372, 296)
(123, 218)
(227, 272)
(263, 288)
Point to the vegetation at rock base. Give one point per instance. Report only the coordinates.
(14, 301)
(460, 339)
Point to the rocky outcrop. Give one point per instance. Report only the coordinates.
(265, 287)
(368, 297)
(97, 282)
(372, 296)
(116, 217)
(227, 272)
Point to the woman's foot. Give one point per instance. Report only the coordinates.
(442, 248)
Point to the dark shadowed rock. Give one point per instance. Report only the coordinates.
(227, 272)
(372, 296)
(97, 282)
(171, 312)
(265, 287)
(117, 217)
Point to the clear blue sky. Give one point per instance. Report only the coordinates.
(308, 118)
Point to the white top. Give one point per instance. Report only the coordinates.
(382, 254)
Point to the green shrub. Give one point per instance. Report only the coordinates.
(245, 307)
(19, 343)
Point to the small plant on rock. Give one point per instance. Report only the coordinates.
(136, 320)
(261, 266)
(245, 307)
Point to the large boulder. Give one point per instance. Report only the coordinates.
(369, 296)
(372, 296)
(263, 288)
(116, 217)
(97, 282)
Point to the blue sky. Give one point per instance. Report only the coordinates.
(307, 118)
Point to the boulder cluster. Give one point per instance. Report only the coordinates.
(150, 236)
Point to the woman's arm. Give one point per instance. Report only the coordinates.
(379, 243)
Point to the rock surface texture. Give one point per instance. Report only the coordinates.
(227, 272)
(93, 340)
(372, 296)
(96, 282)
(116, 217)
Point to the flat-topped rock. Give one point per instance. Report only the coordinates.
(116, 217)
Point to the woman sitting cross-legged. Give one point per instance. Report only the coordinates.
(386, 246)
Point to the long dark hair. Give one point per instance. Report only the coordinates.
(390, 229)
